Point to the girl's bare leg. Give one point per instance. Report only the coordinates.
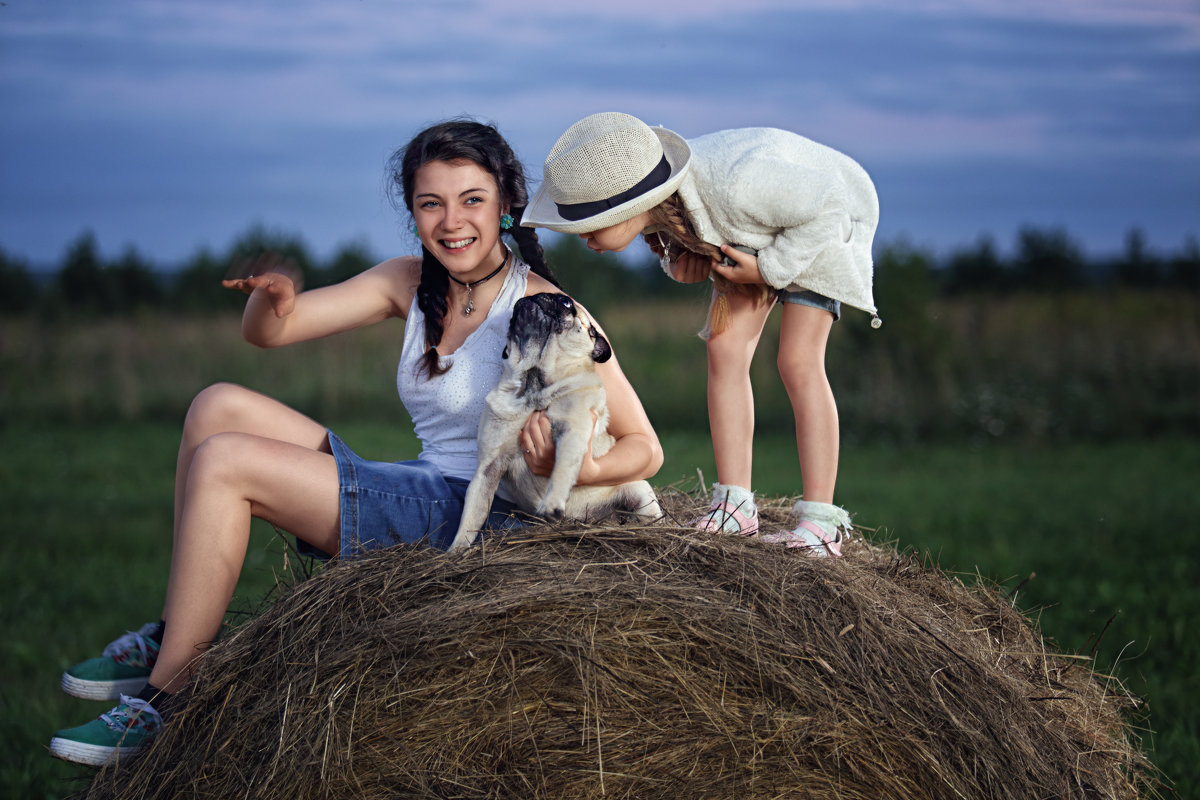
(730, 395)
(802, 341)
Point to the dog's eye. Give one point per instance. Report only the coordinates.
(566, 301)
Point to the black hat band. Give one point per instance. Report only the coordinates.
(576, 211)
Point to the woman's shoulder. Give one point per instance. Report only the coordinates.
(396, 278)
(401, 266)
(536, 284)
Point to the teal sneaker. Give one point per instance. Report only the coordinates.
(123, 668)
(120, 733)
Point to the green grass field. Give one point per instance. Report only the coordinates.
(1107, 528)
(1053, 435)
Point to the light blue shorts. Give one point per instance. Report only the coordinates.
(387, 503)
(807, 298)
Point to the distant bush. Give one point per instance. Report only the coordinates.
(18, 292)
(86, 283)
(1044, 260)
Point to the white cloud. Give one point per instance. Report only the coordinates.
(264, 98)
(1182, 13)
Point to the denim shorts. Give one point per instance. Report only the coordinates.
(387, 503)
(807, 298)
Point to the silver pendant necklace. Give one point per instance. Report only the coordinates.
(470, 306)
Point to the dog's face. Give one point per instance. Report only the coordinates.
(549, 327)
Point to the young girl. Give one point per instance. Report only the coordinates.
(245, 455)
(771, 217)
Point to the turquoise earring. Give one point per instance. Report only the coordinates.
(414, 229)
(506, 222)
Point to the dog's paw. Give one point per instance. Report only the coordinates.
(463, 539)
(554, 512)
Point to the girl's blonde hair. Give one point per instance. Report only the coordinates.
(671, 220)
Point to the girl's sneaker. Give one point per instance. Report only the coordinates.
(120, 733)
(821, 531)
(123, 668)
(732, 512)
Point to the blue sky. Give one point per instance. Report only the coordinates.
(171, 125)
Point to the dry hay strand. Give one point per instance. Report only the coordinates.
(566, 662)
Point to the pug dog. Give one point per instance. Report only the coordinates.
(549, 365)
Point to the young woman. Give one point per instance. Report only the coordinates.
(771, 217)
(245, 455)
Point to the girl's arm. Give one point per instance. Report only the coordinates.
(744, 269)
(637, 453)
(689, 267)
(276, 315)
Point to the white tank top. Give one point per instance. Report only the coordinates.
(445, 408)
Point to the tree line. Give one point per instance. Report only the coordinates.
(1042, 259)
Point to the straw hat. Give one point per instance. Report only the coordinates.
(605, 169)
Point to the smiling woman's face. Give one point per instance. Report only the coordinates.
(457, 208)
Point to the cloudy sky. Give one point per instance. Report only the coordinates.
(171, 125)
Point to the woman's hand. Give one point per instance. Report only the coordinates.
(745, 269)
(537, 446)
(280, 280)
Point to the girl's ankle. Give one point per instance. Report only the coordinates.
(736, 496)
(828, 517)
(732, 512)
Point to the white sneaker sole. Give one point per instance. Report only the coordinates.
(92, 755)
(101, 690)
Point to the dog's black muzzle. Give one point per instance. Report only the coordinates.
(538, 317)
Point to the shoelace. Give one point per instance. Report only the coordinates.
(122, 648)
(131, 712)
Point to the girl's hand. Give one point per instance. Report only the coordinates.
(745, 269)
(279, 280)
(690, 267)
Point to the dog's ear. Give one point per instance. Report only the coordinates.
(601, 350)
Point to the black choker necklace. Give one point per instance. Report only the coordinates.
(470, 306)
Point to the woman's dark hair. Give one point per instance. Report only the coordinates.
(482, 145)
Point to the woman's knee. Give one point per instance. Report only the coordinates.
(222, 457)
(215, 409)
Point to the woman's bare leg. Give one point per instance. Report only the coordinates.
(229, 408)
(233, 477)
(241, 454)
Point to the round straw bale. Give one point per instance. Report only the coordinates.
(655, 661)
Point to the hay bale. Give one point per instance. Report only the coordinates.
(640, 662)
